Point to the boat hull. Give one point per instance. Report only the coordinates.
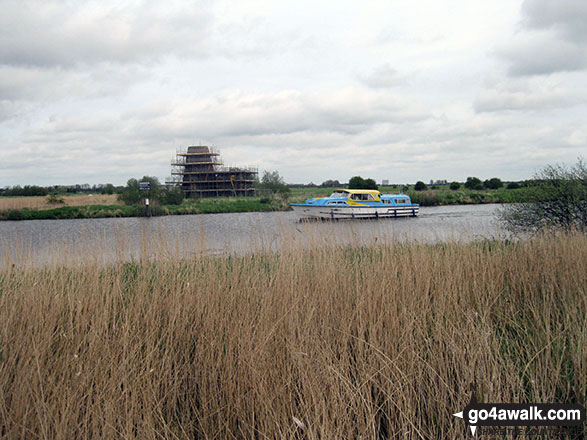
(353, 212)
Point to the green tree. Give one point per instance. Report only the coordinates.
(330, 183)
(108, 189)
(493, 183)
(473, 183)
(370, 184)
(556, 200)
(420, 186)
(357, 182)
(131, 195)
(273, 182)
(455, 185)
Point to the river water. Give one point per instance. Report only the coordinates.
(48, 242)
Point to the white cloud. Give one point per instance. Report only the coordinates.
(382, 77)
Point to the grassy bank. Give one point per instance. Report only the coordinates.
(202, 206)
(354, 342)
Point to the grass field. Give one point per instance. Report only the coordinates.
(347, 342)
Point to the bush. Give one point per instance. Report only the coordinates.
(14, 214)
(173, 196)
(455, 185)
(513, 185)
(556, 200)
(420, 186)
(473, 183)
(52, 199)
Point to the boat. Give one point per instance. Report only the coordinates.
(356, 204)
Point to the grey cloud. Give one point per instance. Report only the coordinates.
(540, 53)
(553, 38)
(54, 33)
(569, 17)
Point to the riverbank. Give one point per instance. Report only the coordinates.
(201, 206)
(328, 342)
(40, 210)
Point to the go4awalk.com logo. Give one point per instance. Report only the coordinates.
(478, 414)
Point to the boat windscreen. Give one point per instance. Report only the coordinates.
(339, 194)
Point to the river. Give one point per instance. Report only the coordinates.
(49, 242)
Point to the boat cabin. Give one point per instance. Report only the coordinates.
(358, 195)
(396, 200)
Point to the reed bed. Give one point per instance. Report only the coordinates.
(339, 342)
(38, 202)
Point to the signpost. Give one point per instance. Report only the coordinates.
(146, 186)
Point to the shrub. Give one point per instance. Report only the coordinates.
(173, 196)
(557, 199)
(513, 185)
(15, 214)
(52, 199)
(455, 185)
(420, 186)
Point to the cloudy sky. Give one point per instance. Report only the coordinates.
(406, 90)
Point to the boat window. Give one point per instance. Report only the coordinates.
(401, 201)
(336, 202)
(339, 194)
(386, 201)
(365, 197)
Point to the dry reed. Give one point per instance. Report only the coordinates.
(343, 342)
(38, 202)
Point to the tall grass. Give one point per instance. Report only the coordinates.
(331, 342)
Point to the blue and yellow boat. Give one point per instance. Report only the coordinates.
(357, 203)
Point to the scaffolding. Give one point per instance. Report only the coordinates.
(198, 171)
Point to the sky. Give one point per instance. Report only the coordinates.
(405, 90)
